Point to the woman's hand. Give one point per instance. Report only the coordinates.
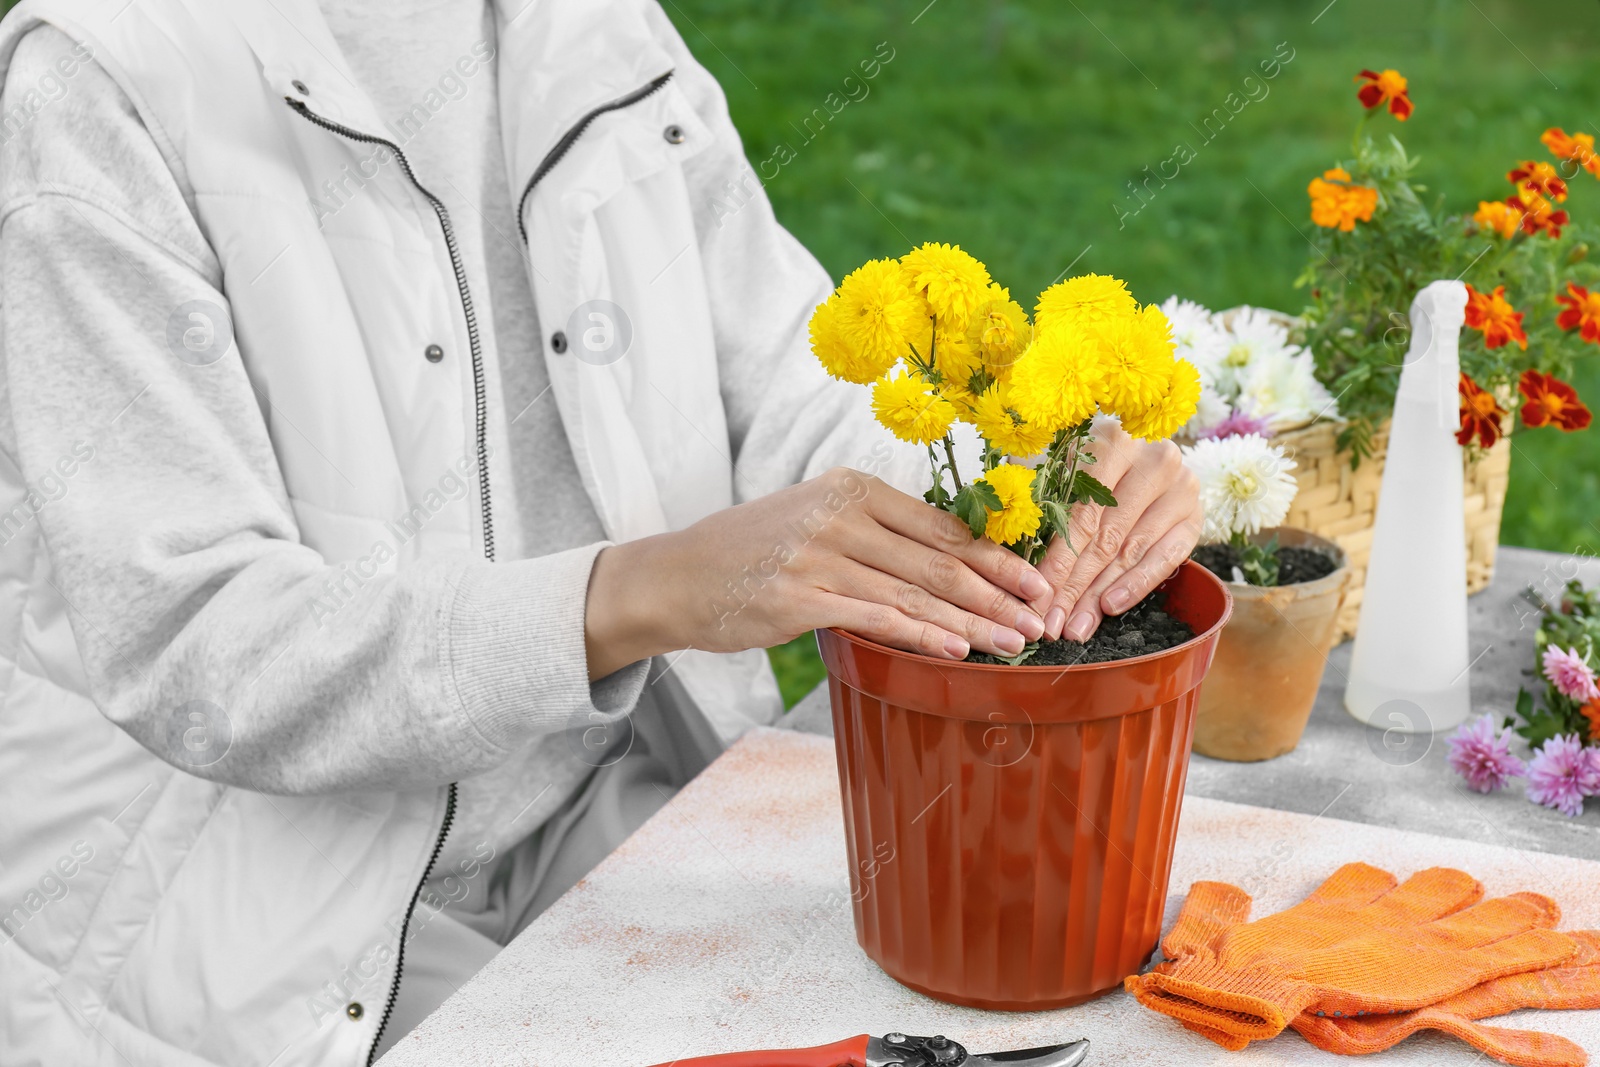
(1117, 555)
(844, 549)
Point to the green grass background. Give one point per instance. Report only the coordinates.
(1012, 128)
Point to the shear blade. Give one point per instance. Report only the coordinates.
(1068, 1055)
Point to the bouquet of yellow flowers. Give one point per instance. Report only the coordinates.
(941, 343)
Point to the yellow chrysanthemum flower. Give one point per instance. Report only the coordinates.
(1163, 418)
(1000, 331)
(911, 409)
(953, 282)
(1019, 514)
(1088, 301)
(1136, 353)
(835, 356)
(1003, 428)
(876, 317)
(1053, 385)
(956, 361)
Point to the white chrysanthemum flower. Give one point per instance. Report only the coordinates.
(1198, 337)
(1253, 337)
(1282, 388)
(1245, 484)
(1209, 412)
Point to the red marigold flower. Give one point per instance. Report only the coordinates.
(1493, 314)
(1480, 415)
(1582, 312)
(1538, 216)
(1551, 402)
(1390, 87)
(1574, 148)
(1539, 177)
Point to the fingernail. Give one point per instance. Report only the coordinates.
(955, 647)
(1118, 599)
(1034, 586)
(1054, 620)
(1030, 625)
(1081, 627)
(1008, 640)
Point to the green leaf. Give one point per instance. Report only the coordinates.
(1027, 650)
(1056, 518)
(968, 507)
(986, 494)
(1086, 486)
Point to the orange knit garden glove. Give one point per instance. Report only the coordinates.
(1574, 985)
(1209, 911)
(1357, 945)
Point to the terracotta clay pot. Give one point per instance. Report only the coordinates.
(1258, 696)
(1010, 829)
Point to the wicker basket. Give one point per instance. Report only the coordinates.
(1342, 504)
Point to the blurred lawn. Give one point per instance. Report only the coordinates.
(1013, 128)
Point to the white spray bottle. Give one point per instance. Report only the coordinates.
(1408, 669)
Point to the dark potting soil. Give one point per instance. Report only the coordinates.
(1142, 629)
(1295, 565)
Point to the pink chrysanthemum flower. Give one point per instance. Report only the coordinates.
(1482, 755)
(1237, 424)
(1562, 773)
(1571, 676)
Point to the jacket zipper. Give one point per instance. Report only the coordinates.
(569, 138)
(479, 393)
(482, 412)
(481, 404)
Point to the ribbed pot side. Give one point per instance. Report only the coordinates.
(1010, 829)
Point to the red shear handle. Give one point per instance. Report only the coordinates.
(851, 1052)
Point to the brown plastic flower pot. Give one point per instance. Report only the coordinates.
(1258, 696)
(1010, 829)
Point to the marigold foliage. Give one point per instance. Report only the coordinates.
(1382, 238)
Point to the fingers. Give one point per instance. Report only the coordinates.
(943, 532)
(1158, 542)
(1157, 565)
(944, 576)
(917, 605)
(1113, 460)
(886, 626)
(1150, 472)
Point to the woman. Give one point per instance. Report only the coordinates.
(389, 409)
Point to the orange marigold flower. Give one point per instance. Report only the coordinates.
(1582, 312)
(1498, 216)
(1551, 402)
(1539, 177)
(1390, 87)
(1538, 215)
(1480, 415)
(1575, 148)
(1493, 314)
(1338, 203)
(1591, 711)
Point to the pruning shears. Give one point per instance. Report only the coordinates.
(895, 1050)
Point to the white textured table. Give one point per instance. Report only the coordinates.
(724, 924)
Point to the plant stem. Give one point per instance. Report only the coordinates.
(1355, 139)
(950, 457)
